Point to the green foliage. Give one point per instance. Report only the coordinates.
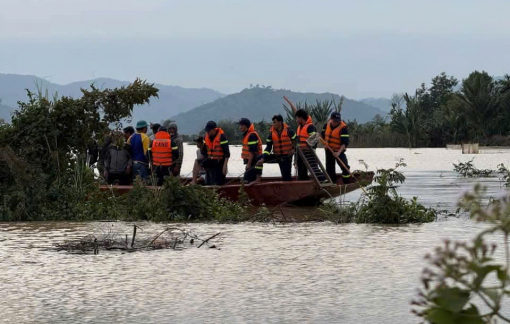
(50, 134)
(468, 170)
(174, 202)
(382, 204)
(505, 174)
(464, 278)
(438, 115)
(408, 121)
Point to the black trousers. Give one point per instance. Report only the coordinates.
(214, 172)
(161, 173)
(254, 170)
(301, 169)
(331, 166)
(285, 164)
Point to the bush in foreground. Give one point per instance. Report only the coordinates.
(464, 282)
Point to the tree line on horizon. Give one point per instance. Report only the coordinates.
(476, 110)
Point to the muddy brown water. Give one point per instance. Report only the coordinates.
(261, 273)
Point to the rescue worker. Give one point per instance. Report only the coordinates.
(139, 145)
(336, 135)
(306, 128)
(217, 153)
(177, 141)
(162, 153)
(252, 148)
(280, 143)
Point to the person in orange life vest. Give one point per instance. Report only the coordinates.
(216, 153)
(252, 147)
(336, 135)
(162, 152)
(306, 128)
(280, 143)
(139, 145)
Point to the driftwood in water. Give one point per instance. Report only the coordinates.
(170, 238)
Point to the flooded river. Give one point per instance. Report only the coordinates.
(298, 273)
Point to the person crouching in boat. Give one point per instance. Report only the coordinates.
(199, 174)
(217, 153)
(252, 148)
(279, 147)
(162, 153)
(306, 128)
(139, 145)
(336, 135)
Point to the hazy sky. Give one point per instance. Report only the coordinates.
(357, 48)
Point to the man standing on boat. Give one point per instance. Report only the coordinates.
(217, 153)
(280, 143)
(252, 147)
(163, 151)
(139, 144)
(177, 141)
(306, 128)
(336, 135)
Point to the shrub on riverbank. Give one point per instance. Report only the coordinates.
(381, 204)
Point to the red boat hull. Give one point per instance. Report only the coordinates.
(273, 192)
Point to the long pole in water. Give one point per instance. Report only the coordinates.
(294, 109)
(342, 163)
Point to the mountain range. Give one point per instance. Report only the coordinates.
(172, 99)
(261, 103)
(190, 108)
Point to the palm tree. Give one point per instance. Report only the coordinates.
(479, 103)
(408, 121)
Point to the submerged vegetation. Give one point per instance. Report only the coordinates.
(468, 170)
(464, 282)
(381, 203)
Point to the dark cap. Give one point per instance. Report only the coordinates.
(335, 115)
(199, 139)
(163, 129)
(210, 125)
(155, 127)
(244, 121)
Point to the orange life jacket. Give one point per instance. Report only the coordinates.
(246, 144)
(162, 149)
(282, 144)
(333, 136)
(302, 133)
(214, 150)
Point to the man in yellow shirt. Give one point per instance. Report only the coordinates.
(139, 144)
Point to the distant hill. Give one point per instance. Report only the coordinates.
(262, 103)
(5, 112)
(172, 99)
(383, 104)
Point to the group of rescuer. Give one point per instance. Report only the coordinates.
(133, 153)
(211, 165)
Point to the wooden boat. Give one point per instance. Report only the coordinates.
(272, 191)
